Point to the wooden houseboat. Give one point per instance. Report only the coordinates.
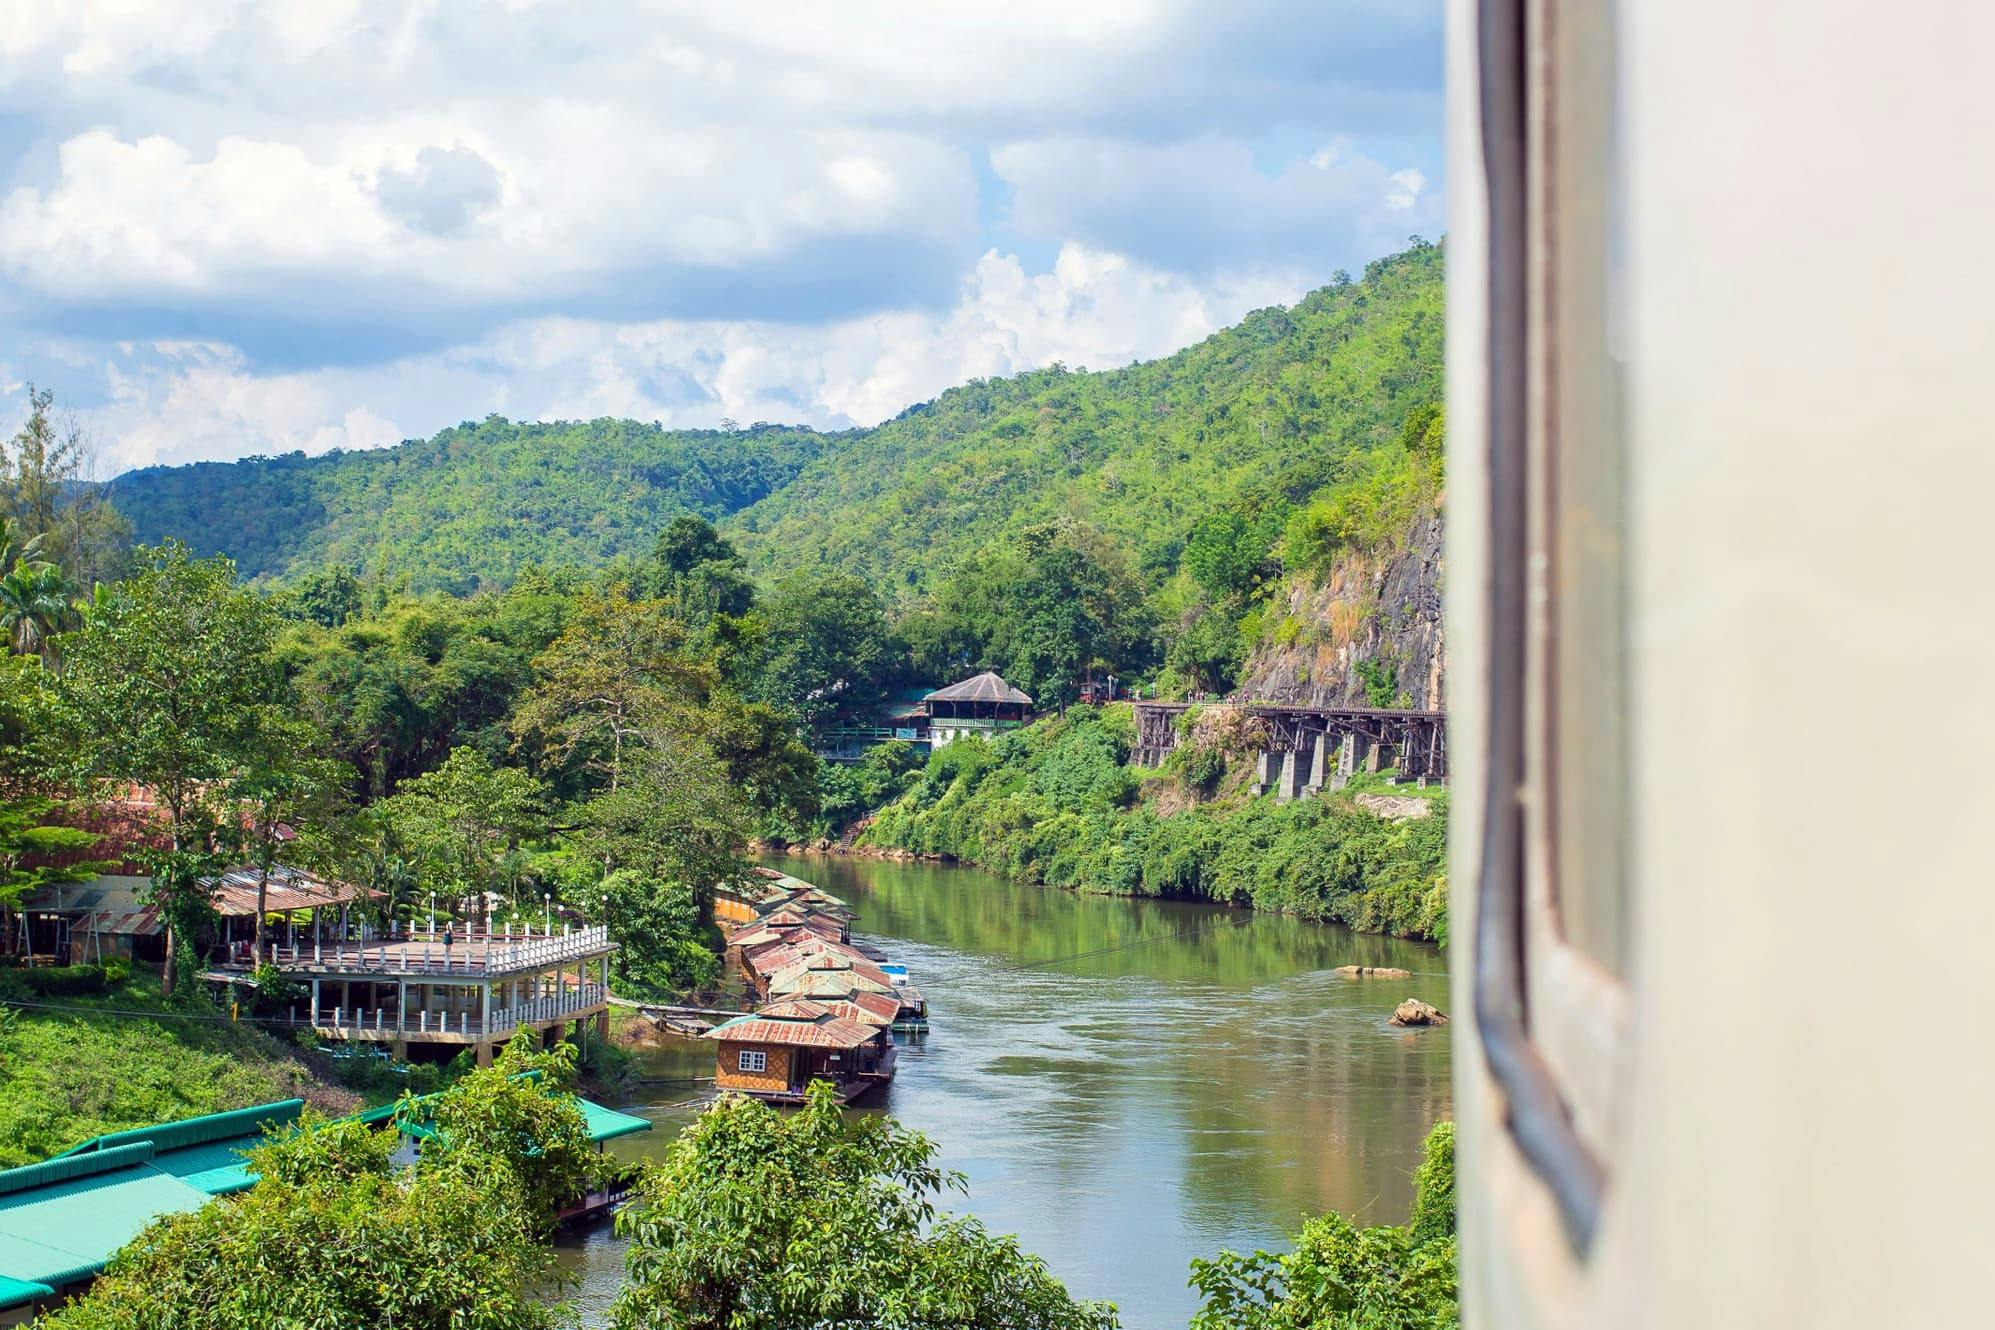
(775, 1053)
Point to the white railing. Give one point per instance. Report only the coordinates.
(375, 1020)
(426, 953)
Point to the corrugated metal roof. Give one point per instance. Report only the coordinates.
(985, 687)
(209, 1127)
(606, 1124)
(15, 1292)
(796, 1024)
(234, 890)
(61, 1220)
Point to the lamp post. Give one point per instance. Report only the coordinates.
(547, 912)
(432, 912)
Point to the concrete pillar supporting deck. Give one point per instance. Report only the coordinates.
(1291, 777)
(484, 1052)
(1267, 771)
(1318, 743)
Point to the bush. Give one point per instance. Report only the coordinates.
(60, 980)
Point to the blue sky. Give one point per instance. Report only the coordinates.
(244, 228)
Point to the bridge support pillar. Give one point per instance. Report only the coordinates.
(1318, 744)
(1351, 756)
(1267, 771)
(1291, 777)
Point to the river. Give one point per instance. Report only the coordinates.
(1127, 1084)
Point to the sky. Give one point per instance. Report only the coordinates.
(250, 228)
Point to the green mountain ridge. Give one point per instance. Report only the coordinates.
(1262, 414)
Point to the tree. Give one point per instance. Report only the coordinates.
(34, 606)
(463, 817)
(821, 1219)
(284, 780)
(163, 688)
(1045, 606)
(518, 1118)
(26, 833)
(330, 597)
(1341, 1277)
(616, 673)
(333, 1235)
(46, 484)
(826, 646)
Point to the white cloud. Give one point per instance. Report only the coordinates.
(179, 402)
(1190, 204)
(259, 225)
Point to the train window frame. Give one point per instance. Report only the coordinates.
(1575, 773)
(759, 1062)
(1552, 1013)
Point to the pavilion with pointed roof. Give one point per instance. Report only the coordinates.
(978, 706)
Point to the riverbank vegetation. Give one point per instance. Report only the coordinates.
(1057, 802)
(1338, 1276)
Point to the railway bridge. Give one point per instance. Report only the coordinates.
(1310, 749)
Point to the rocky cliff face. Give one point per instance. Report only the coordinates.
(1368, 634)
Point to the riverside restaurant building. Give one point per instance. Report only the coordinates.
(454, 987)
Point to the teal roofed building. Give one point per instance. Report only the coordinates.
(62, 1220)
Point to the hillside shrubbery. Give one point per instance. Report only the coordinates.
(1057, 803)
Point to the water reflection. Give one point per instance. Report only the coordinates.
(1128, 1084)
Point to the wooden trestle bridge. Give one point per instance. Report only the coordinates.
(1313, 748)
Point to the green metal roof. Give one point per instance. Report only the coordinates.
(14, 1292)
(61, 1220)
(606, 1124)
(203, 1130)
(206, 1152)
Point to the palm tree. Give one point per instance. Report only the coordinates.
(34, 606)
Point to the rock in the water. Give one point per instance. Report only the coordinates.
(1372, 972)
(1415, 1012)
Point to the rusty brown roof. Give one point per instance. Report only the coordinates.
(234, 891)
(797, 1024)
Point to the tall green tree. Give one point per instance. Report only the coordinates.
(463, 819)
(285, 781)
(163, 688)
(616, 674)
(46, 489)
(1045, 608)
(819, 1220)
(826, 646)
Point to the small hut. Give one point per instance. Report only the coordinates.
(778, 1051)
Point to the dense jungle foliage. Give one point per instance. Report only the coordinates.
(472, 507)
(1056, 802)
(1254, 420)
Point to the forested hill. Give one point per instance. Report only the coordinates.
(1259, 416)
(1256, 418)
(471, 506)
